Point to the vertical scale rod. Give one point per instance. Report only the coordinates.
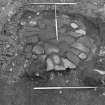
(56, 24)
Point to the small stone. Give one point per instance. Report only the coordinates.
(80, 31)
(38, 50)
(74, 25)
(60, 92)
(80, 47)
(76, 35)
(75, 51)
(73, 58)
(56, 59)
(59, 67)
(50, 65)
(68, 64)
(83, 56)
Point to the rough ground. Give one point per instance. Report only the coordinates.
(21, 92)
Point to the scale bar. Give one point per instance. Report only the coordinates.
(56, 23)
(54, 3)
(52, 88)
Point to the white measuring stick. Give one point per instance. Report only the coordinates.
(52, 88)
(54, 3)
(56, 23)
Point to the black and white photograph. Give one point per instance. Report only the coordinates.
(52, 52)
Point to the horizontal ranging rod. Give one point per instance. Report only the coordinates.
(51, 88)
(53, 3)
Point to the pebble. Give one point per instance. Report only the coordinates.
(81, 47)
(72, 57)
(38, 50)
(56, 59)
(68, 64)
(50, 65)
(80, 31)
(74, 25)
(83, 56)
(59, 67)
